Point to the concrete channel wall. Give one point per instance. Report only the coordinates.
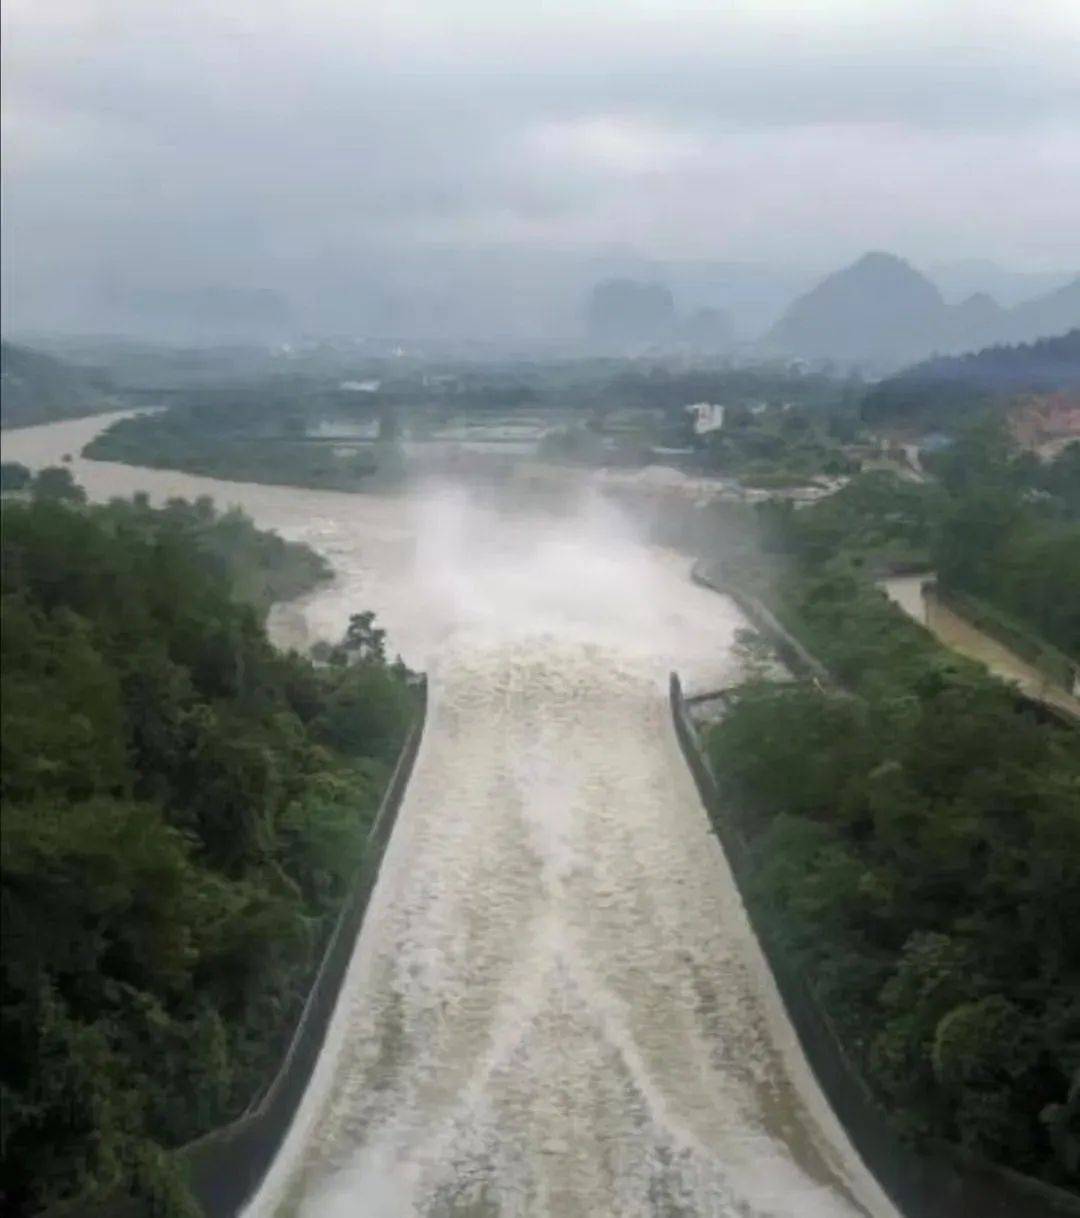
(790, 650)
(225, 1167)
(1047, 659)
(1060, 672)
(929, 1182)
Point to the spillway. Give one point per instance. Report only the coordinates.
(555, 1008)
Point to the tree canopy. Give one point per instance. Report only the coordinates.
(184, 808)
(917, 839)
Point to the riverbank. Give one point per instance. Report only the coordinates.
(890, 838)
(926, 1181)
(923, 604)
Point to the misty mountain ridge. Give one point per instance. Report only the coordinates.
(627, 314)
(36, 388)
(942, 391)
(883, 313)
(427, 294)
(1053, 313)
(878, 314)
(967, 277)
(1046, 366)
(879, 309)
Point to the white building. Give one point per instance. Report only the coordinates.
(707, 417)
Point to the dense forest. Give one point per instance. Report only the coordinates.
(917, 834)
(184, 807)
(945, 390)
(217, 445)
(1010, 534)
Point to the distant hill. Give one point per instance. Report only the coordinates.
(1053, 313)
(706, 330)
(881, 313)
(36, 388)
(975, 319)
(936, 390)
(982, 276)
(879, 310)
(627, 311)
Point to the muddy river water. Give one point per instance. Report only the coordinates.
(555, 1007)
(955, 631)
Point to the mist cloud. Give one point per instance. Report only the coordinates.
(278, 144)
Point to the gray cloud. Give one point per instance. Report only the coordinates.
(340, 150)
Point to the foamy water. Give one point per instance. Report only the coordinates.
(555, 1007)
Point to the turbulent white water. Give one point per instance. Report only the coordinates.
(555, 1007)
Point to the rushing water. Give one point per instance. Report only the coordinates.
(555, 1007)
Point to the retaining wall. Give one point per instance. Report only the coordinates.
(929, 1182)
(1053, 663)
(790, 650)
(225, 1167)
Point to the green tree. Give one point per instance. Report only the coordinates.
(56, 483)
(14, 476)
(184, 808)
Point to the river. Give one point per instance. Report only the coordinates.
(955, 631)
(556, 1008)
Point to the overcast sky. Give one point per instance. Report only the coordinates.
(273, 141)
